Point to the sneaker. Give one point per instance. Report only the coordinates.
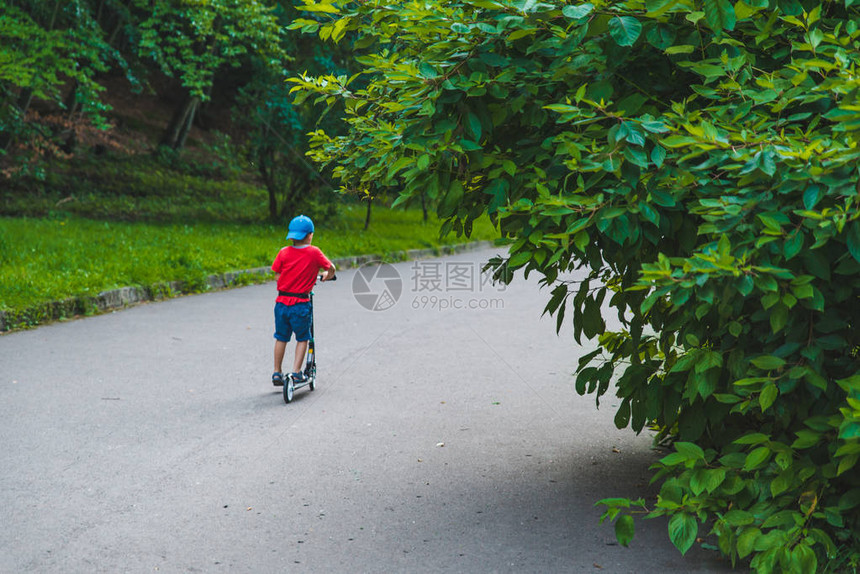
(278, 379)
(299, 378)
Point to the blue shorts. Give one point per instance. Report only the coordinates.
(291, 319)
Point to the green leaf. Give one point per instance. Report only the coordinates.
(736, 329)
(793, 245)
(768, 396)
(756, 458)
(853, 240)
(636, 156)
(678, 141)
(473, 126)
(452, 200)
(747, 540)
(469, 145)
(847, 463)
(690, 450)
(806, 439)
(714, 477)
(658, 156)
(661, 37)
(625, 30)
(425, 70)
(778, 317)
(744, 10)
(720, 15)
(850, 499)
(577, 12)
(746, 285)
(753, 438)
(673, 459)
(655, 127)
(851, 383)
(662, 198)
(592, 319)
(624, 529)
(680, 49)
(804, 558)
(782, 482)
(708, 359)
(683, 529)
(739, 517)
(622, 416)
(781, 518)
(811, 196)
(768, 362)
(519, 259)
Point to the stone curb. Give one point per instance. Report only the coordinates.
(129, 296)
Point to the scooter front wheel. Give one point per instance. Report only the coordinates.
(289, 389)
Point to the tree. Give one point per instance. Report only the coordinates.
(45, 47)
(700, 159)
(277, 127)
(193, 39)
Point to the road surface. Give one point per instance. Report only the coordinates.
(437, 440)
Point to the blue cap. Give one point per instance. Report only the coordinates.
(299, 228)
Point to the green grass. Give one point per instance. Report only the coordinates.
(136, 188)
(50, 259)
(72, 229)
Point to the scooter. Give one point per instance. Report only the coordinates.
(310, 371)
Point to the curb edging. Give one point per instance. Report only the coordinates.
(124, 297)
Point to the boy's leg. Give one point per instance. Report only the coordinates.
(283, 333)
(301, 348)
(280, 350)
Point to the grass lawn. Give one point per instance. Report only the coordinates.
(49, 259)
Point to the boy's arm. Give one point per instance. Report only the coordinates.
(329, 273)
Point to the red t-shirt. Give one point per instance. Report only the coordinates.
(298, 268)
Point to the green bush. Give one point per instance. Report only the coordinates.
(700, 161)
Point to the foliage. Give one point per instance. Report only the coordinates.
(43, 48)
(700, 159)
(62, 61)
(276, 127)
(192, 39)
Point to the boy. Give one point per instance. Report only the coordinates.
(298, 267)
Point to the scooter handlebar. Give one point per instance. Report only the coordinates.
(332, 279)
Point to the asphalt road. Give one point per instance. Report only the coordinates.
(437, 440)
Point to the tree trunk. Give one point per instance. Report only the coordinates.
(424, 205)
(367, 214)
(54, 15)
(5, 140)
(265, 169)
(21, 107)
(178, 127)
(71, 101)
(24, 101)
(120, 20)
(186, 127)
